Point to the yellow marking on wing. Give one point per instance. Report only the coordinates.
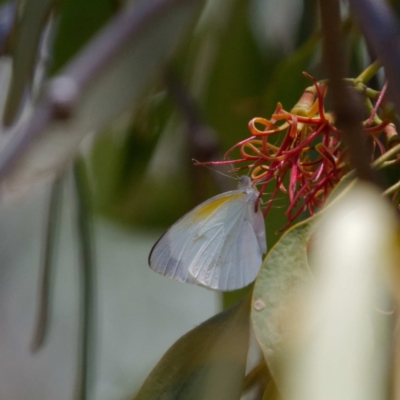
(207, 210)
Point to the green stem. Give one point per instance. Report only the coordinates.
(369, 72)
(390, 163)
(371, 93)
(387, 156)
(50, 244)
(370, 108)
(88, 293)
(393, 189)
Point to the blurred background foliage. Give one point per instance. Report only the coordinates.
(230, 61)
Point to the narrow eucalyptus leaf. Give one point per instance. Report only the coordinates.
(207, 363)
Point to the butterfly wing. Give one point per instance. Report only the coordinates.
(219, 244)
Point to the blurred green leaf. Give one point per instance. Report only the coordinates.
(230, 298)
(237, 79)
(124, 183)
(207, 363)
(79, 21)
(271, 393)
(287, 82)
(30, 23)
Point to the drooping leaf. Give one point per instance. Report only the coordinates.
(207, 363)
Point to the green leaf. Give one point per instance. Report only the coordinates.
(271, 392)
(79, 21)
(123, 183)
(207, 363)
(287, 82)
(237, 79)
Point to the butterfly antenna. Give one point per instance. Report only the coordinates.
(234, 170)
(237, 169)
(276, 200)
(198, 163)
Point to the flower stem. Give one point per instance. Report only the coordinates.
(369, 72)
(387, 156)
(393, 189)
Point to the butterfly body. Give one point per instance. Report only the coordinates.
(219, 244)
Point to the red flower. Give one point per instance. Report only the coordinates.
(311, 158)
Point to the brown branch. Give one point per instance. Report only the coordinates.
(66, 89)
(346, 103)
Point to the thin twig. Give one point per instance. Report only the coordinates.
(88, 287)
(50, 244)
(369, 72)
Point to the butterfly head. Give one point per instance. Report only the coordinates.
(244, 182)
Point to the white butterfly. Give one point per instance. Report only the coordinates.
(219, 244)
